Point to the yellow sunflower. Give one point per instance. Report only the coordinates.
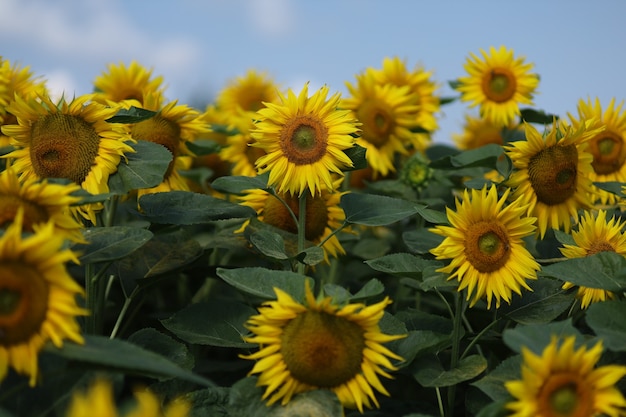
(238, 151)
(172, 127)
(123, 83)
(564, 382)
(41, 202)
(15, 79)
(595, 234)
(485, 244)
(387, 114)
(478, 132)
(320, 345)
(67, 140)
(304, 139)
(37, 294)
(552, 174)
(247, 93)
(395, 72)
(608, 147)
(98, 401)
(498, 83)
(323, 215)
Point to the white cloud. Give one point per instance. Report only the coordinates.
(272, 17)
(61, 83)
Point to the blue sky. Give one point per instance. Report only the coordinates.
(197, 45)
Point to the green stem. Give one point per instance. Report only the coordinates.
(301, 229)
(440, 401)
(123, 311)
(477, 338)
(459, 308)
(90, 298)
(333, 233)
(111, 208)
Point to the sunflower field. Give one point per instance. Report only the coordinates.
(302, 252)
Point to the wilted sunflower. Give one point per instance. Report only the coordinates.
(485, 245)
(67, 140)
(126, 83)
(323, 215)
(595, 234)
(247, 93)
(320, 345)
(387, 114)
(608, 147)
(563, 382)
(172, 126)
(37, 294)
(552, 174)
(98, 401)
(41, 202)
(498, 83)
(304, 139)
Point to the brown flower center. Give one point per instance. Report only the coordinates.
(499, 85)
(378, 122)
(609, 153)
(565, 395)
(23, 302)
(159, 130)
(321, 349)
(304, 139)
(553, 174)
(63, 146)
(33, 213)
(600, 246)
(487, 246)
(276, 214)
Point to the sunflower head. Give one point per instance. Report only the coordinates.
(126, 83)
(498, 82)
(320, 345)
(479, 132)
(248, 93)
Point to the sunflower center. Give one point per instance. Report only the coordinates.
(321, 349)
(600, 246)
(553, 173)
(304, 139)
(378, 122)
(23, 302)
(608, 153)
(33, 213)
(499, 85)
(276, 214)
(159, 130)
(487, 246)
(563, 396)
(63, 146)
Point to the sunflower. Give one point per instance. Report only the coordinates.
(304, 139)
(15, 80)
(37, 296)
(126, 83)
(172, 127)
(564, 382)
(486, 247)
(498, 83)
(552, 174)
(478, 132)
(98, 401)
(395, 72)
(238, 151)
(320, 345)
(323, 215)
(67, 140)
(595, 234)
(41, 202)
(247, 93)
(608, 147)
(387, 114)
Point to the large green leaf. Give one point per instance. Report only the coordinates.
(202, 147)
(402, 264)
(270, 244)
(155, 341)
(357, 156)
(606, 319)
(430, 373)
(485, 156)
(131, 115)
(531, 115)
(144, 168)
(111, 243)
(421, 241)
(545, 303)
(260, 282)
(492, 384)
(186, 207)
(125, 357)
(605, 270)
(537, 336)
(239, 184)
(375, 210)
(218, 323)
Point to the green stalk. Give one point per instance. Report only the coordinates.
(459, 308)
(301, 229)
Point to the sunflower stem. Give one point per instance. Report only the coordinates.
(301, 229)
(111, 209)
(123, 311)
(439, 401)
(459, 309)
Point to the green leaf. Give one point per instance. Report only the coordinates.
(357, 156)
(606, 319)
(401, 264)
(110, 243)
(240, 184)
(485, 156)
(218, 323)
(122, 356)
(537, 336)
(157, 342)
(454, 84)
(311, 255)
(203, 147)
(605, 270)
(545, 303)
(432, 216)
(564, 238)
(537, 116)
(186, 208)
(614, 187)
(143, 169)
(420, 342)
(430, 373)
(269, 244)
(131, 115)
(421, 241)
(496, 409)
(260, 282)
(375, 210)
(371, 289)
(492, 384)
